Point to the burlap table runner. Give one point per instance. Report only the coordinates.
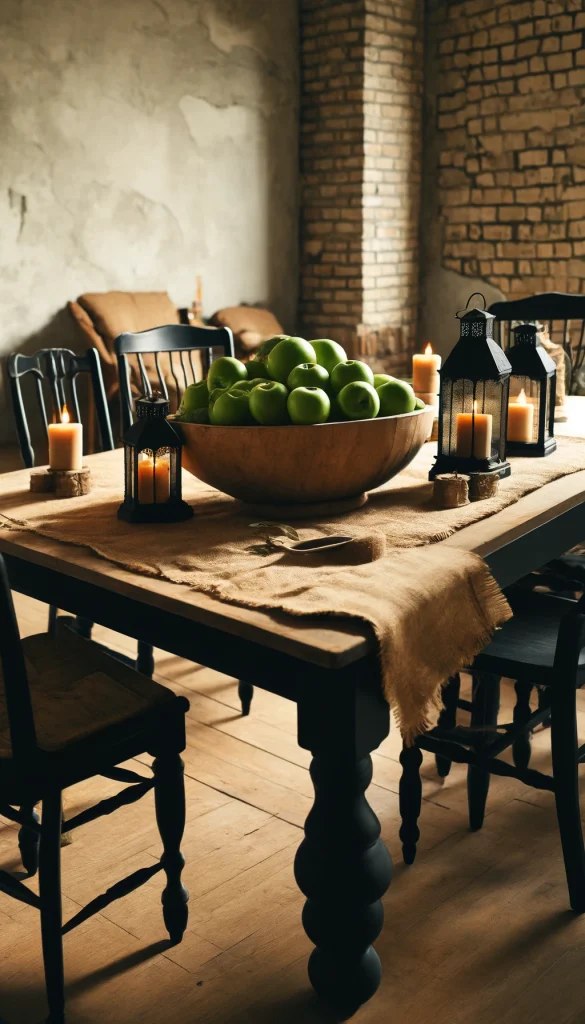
(432, 608)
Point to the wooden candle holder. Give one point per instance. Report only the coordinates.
(63, 483)
(451, 490)
(483, 485)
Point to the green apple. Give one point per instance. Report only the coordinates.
(396, 396)
(214, 396)
(231, 409)
(257, 368)
(195, 396)
(268, 404)
(224, 372)
(420, 404)
(198, 416)
(308, 375)
(308, 405)
(346, 373)
(382, 378)
(359, 400)
(266, 347)
(247, 385)
(289, 352)
(329, 353)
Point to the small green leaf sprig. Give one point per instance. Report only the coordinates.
(269, 533)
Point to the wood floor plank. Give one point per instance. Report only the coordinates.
(477, 931)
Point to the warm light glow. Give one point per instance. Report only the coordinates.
(429, 350)
(65, 417)
(474, 407)
(521, 400)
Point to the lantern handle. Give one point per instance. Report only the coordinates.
(466, 307)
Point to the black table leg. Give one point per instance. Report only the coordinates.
(484, 716)
(342, 865)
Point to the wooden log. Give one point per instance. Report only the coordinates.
(450, 490)
(63, 483)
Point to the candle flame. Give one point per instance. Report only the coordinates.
(65, 417)
(475, 407)
(521, 400)
(429, 350)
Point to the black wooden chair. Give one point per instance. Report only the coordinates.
(178, 342)
(563, 314)
(139, 358)
(69, 712)
(53, 374)
(543, 645)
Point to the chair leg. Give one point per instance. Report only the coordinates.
(484, 714)
(448, 719)
(28, 841)
(169, 796)
(410, 799)
(564, 744)
(145, 659)
(53, 612)
(544, 702)
(83, 626)
(245, 693)
(521, 747)
(50, 896)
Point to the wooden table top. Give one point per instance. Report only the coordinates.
(332, 645)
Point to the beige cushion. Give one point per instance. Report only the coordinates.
(249, 325)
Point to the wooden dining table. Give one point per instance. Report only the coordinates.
(329, 668)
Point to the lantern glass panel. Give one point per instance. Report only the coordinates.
(532, 391)
(467, 396)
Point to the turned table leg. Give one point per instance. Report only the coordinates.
(342, 865)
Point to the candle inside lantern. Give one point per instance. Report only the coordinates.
(474, 434)
(425, 372)
(520, 419)
(154, 480)
(65, 444)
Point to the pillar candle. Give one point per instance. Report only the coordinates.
(65, 444)
(477, 425)
(150, 472)
(425, 371)
(520, 419)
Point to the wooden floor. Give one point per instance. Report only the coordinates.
(478, 930)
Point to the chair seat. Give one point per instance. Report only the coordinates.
(77, 692)
(524, 648)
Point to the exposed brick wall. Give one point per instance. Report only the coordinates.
(361, 108)
(393, 94)
(332, 164)
(510, 90)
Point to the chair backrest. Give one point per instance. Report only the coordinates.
(178, 342)
(563, 314)
(16, 689)
(54, 372)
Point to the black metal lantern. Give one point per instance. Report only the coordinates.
(152, 467)
(473, 401)
(531, 409)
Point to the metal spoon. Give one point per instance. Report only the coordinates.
(307, 547)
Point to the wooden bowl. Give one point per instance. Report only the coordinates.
(297, 465)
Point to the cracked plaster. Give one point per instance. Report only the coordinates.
(142, 144)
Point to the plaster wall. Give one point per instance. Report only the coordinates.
(143, 143)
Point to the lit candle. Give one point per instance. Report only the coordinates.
(425, 372)
(477, 426)
(520, 419)
(65, 443)
(154, 480)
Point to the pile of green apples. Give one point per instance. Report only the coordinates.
(291, 380)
